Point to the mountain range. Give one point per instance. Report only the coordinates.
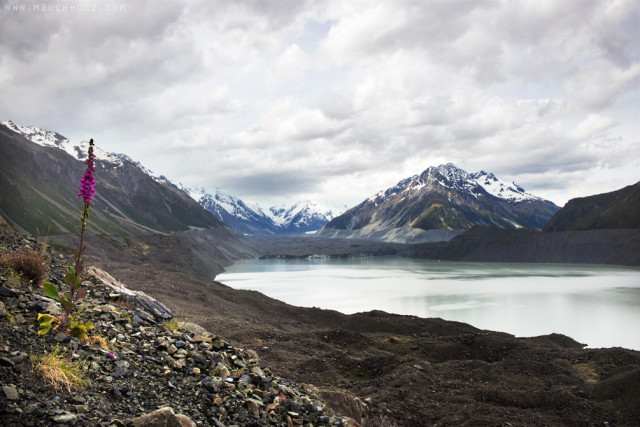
(299, 218)
(302, 217)
(140, 218)
(134, 215)
(438, 204)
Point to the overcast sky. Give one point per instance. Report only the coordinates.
(332, 101)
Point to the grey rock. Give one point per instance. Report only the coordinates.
(53, 308)
(164, 417)
(160, 311)
(65, 418)
(7, 292)
(141, 317)
(245, 379)
(6, 362)
(10, 392)
(61, 337)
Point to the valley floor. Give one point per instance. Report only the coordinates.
(406, 371)
(384, 369)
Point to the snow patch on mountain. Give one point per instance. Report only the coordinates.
(77, 150)
(504, 190)
(451, 177)
(251, 218)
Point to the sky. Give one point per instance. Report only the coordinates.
(332, 101)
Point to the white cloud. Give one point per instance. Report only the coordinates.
(336, 100)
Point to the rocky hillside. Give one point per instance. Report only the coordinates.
(39, 180)
(140, 368)
(615, 210)
(134, 217)
(438, 204)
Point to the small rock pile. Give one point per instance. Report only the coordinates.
(148, 371)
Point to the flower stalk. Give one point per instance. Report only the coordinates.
(73, 278)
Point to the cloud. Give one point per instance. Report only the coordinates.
(337, 100)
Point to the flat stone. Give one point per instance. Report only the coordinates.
(253, 406)
(164, 417)
(185, 421)
(155, 308)
(53, 308)
(200, 338)
(7, 292)
(61, 337)
(193, 328)
(10, 392)
(6, 362)
(65, 419)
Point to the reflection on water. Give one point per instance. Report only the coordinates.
(596, 305)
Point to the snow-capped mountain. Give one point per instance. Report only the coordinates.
(77, 150)
(439, 203)
(129, 199)
(47, 138)
(302, 217)
(504, 190)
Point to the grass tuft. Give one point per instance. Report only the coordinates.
(60, 371)
(172, 325)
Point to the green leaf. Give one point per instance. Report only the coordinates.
(46, 323)
(51, 291)
(66, 304)
(70, 276)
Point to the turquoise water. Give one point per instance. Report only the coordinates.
(596, 305)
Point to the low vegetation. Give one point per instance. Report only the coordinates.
(30, 262)
(61, 371)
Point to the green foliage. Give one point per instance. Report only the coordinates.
(172, 325)
(46, 323)
(78, 329)
(68, 300)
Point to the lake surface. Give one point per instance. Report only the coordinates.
(593, 304)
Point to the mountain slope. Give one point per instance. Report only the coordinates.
(491, 244)
(39, 175)
(439, 203)
(614, 210)
(302, 217)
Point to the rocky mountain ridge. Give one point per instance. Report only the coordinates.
(440, 203)
(618, 209)
(299, 218)
(128, 200)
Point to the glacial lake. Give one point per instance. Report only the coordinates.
(593, 304)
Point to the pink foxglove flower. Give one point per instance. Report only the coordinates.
(87, 183)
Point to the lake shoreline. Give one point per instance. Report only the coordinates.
(520, 299)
